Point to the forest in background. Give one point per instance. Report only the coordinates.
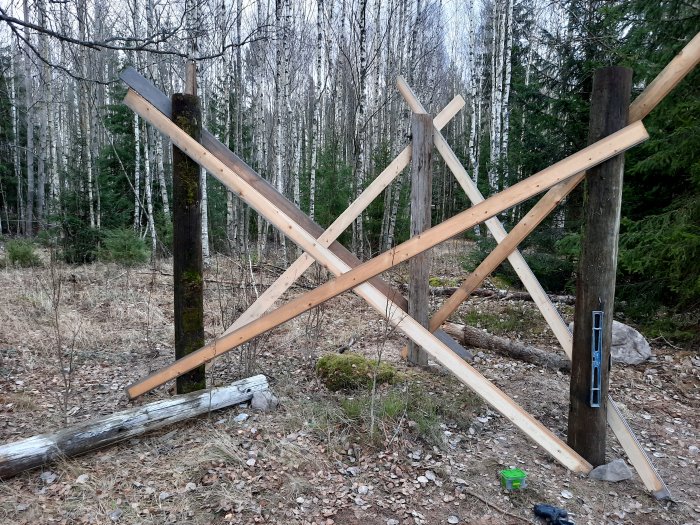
(305, 93)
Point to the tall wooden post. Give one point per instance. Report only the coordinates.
(595, 288)
(187, 242)
(421, 201)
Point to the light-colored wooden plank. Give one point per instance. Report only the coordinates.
(517, 261)
(590, 156)
(595, 153)
(639, 459)
(654, 93)
(162, 103)
(107, 430)
(676, 70)
(375, 188)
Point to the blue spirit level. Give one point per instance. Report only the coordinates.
(596, 358)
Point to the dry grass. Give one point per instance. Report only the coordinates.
(118, 326)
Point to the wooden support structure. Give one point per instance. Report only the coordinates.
(354, 278)
(421, 202)
(628, 433)
(327, 239)
(595, 285)
(188, 264)
(590, 156)
(107, 430)
(654, 93)
(676, 70)
(517, 261)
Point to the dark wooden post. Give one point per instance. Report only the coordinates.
(595, 288)
(421, 201)
(187, 243)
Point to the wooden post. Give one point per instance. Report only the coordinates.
(187, 244)
(595, 289)
(421, 201)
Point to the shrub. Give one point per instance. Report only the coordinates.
(352, 371)
(21, 254)
(80, 242)
(123, 246)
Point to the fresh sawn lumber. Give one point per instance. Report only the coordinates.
(107, 430)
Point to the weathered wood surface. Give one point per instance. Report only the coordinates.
(473, 337)
(421, 201)
(595, 284)
(101, 432)
(328, 238)
(590, 156)
(188, 264)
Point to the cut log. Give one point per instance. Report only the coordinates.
(508, 295)
(478, 338)
(98, 433)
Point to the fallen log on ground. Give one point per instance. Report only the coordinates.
(97, 433)
(498, 294)
(478, 338)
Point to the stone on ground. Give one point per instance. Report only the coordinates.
(264, 401)
(614, 471)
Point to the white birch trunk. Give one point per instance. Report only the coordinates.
(29, 106)
(137, 174)
(15, 151)
(148, 184)
(505, 106)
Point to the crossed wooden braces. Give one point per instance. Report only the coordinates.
(562, 178)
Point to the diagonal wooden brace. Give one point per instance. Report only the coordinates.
(161, 102)
(653, 94)
(590, 156)
(507, 248)
(345, 219)
(353, 279)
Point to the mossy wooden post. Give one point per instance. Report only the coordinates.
(187, 243)
(595, 288)
(421, 200)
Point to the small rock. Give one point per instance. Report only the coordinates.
(163, 496)
(430, 475)
(353, 471)
(628, 346)
(190, 486)
(250, 462)
(453, 519)
(566, 494)
(392, 521)
(423, 480)
(693, 450)
(21, 507)
(48, 477)
(115, 515)
(614, 471)
(300, 500)
(82, 479)
(363, 490)
(240, 418)
(264, 401)
(359, 501)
